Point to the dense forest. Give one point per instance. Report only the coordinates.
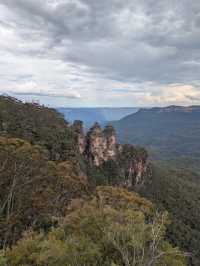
(168, 132)
(58, 208)
(177, 190)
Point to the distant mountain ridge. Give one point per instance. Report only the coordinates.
(167, 132)
(91, 115)
(172, 108)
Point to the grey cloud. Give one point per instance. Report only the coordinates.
(128, 41)
(56, 95)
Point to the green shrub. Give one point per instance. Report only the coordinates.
(114, 228)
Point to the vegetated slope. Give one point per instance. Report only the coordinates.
(32, 136)
(177, 191)
(114, 227)
(60, 140)
(167, 132)
(33, 190)
(38, 125)
(186, 165)
(47, 207)
(37, 193)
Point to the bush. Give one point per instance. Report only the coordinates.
(100, 232)
(3, 260)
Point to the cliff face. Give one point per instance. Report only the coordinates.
(100, 146)
(137, 173)
(78, 127)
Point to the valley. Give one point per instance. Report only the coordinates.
(52, 169)
(102, 115)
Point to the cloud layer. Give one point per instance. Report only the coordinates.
(101, 53)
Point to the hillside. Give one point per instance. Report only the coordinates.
(38, 125)
(61, 141)
(69, 196)
(37, 145)
(34, 191)
(177, 190)
(168, 132)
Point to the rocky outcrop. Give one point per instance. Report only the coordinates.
(96, 145)
(111, 142)
(78, 127)
(136, 173)
(99, 146)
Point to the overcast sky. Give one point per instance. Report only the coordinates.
(101, 52)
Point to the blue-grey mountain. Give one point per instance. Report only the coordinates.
(167, 132)
(91, 115)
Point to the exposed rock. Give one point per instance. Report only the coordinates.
(96, 145)
(111, 142)
(137, 171)
(100, 146)
(78, 127)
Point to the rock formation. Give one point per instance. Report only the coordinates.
(100, 146)
(78, 127)
(136, 173)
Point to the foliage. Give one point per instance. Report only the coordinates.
(103, 233)
(3, 260)
(116, 172)
(42, 180)
(130, 152)
(178, 192)
(33, 190)
(38, 125)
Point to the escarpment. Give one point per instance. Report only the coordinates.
(96, 150)
(78, 127)
(101, 145)
(97, 145)
(100, 148)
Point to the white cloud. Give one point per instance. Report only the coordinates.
(177, 94)
(91, 52)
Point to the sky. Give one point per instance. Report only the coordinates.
(113, 53)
